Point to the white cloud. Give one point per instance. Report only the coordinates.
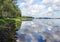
(22, 4)
(43, 9)
(56, 1)
(50, 9)
(29, 2)
(50, 1)
(46, 1)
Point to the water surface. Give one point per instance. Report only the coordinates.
(40, 30)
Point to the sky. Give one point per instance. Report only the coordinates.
(40, 8)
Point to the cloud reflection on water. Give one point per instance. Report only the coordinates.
(39, 30)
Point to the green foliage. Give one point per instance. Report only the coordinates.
(6, 22)
(10, 20)
(9, 9)
(8, 26)
(27, 17)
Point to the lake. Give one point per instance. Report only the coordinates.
(39, 30)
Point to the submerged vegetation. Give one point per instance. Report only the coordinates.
(10, 20)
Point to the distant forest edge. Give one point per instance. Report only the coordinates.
(39, 17)
(47, 18)
(27, 17)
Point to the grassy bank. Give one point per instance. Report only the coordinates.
(8, 22)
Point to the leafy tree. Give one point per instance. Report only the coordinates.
(10, 20)
(9, 9)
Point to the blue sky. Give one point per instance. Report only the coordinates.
(40, 8)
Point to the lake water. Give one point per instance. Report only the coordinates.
(39, 30)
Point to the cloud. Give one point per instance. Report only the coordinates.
(50, 1)
(40, 8)
(46, 1)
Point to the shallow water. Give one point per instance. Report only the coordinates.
(39, 30)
